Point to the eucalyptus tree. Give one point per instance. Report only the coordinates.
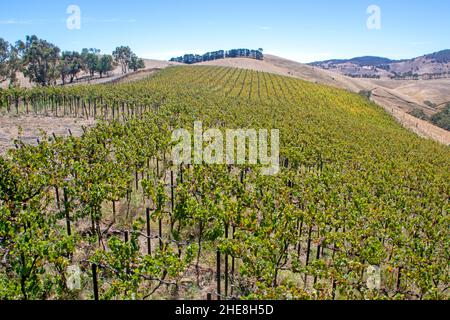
(136, 63)
(71, 64)
(123, 55)
(4, 57)
(105, 64)
(91, 60)
(40, 59)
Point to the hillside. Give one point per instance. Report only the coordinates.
(360, 61)
(354, 190)
(291, 68)
(397, 97)
(430, 66)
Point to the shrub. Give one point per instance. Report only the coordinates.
(442, 118)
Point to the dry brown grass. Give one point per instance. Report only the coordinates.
(32, 126)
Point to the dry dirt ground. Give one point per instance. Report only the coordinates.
(435, 91)
(422, 128)
(32, 126)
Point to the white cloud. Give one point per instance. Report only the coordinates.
(111, 20)
(14, 21)
(265, 28)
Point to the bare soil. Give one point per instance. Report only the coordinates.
(31, 128)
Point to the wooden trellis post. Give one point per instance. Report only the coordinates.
(95, 281)
(149, 241)
(218, 275)
(66, 212)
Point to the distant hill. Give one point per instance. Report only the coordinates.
(430, 66)
(360, 61)
(439, 57)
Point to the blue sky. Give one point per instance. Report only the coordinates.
(301, 30)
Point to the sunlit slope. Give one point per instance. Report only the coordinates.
(371, 153)
(357, 189)
(311, 114)
(358, 175)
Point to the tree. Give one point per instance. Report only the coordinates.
(70, 65)
(442, 118)
(10, 62)
(105, 64)
(90, 60)
(40, 59)
(63, 70)
(4, 59)
(221, 54)
(122, 55)
(418, 113)
(136, 63)
(14, 65)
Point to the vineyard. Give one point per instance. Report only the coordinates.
(356, 192)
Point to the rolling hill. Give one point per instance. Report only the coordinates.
(355, 191)
(430, 66)
(397, 97)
